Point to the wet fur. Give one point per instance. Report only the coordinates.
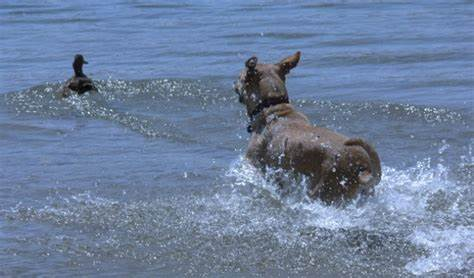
(338, 167)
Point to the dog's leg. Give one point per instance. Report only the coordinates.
(315, 186)
(256, 150)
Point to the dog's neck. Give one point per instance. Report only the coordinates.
(268, 103)
(268, 114)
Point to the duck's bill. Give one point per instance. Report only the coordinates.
(85, 62)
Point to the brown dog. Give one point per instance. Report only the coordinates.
(338, 168)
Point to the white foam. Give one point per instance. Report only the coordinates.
(448, 249)
(402, 202)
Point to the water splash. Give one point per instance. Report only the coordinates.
(404, 200)
(416, 215)
(449, 249)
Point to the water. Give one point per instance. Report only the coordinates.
(147, 177)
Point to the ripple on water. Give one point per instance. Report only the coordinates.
(248, 225)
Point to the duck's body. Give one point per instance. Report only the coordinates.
(79, 83)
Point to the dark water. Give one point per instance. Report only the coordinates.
(147, 177)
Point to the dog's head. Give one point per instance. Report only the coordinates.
(259, 83)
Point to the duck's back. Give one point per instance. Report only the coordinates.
(80, 84)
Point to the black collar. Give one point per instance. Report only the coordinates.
(263, 105)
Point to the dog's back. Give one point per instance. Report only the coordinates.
(338, 167)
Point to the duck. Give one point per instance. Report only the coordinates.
(79, 83)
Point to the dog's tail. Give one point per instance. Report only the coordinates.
(376, 169)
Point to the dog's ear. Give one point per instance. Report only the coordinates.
(252, 73)
(251, 63)
(289, 62)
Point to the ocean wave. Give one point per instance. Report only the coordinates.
(188, 94)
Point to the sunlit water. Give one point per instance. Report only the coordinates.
(148, 176)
